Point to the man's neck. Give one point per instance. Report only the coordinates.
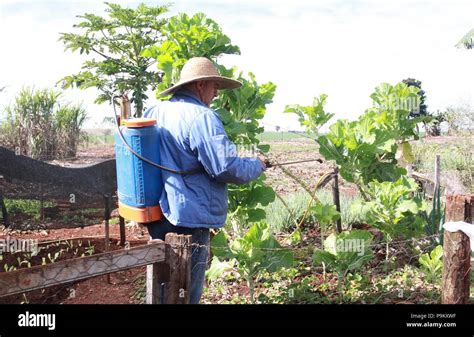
(190, 92)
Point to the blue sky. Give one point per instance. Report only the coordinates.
(341, 48)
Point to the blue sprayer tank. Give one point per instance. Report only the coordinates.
(139, 184)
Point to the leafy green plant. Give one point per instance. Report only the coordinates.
(69, 244)
(245, 202)
(366, 149)
(344, 252)
(253, 254)
(187, 37)
(434, 220)
(8, 268)
(119, 41)
(311, 117)
(22, 262)
(26, 206)
(241, 110)
(393, 209)
(90, 250)
(432, 264)
(53, 258)
(325, 215)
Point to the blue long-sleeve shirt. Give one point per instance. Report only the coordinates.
(192, 137)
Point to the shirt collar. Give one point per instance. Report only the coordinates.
(189, 94)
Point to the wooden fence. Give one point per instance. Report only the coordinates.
(168, 268)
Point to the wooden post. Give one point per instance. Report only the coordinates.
(6, 223)
(106, 220)
(456, 253)
(179, 259)
(337, 202)
(41, 202)
(157, 274)
(122, 231)
(107, 229)
(437, 171)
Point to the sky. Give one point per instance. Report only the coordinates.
(341, 48)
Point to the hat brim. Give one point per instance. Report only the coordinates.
(223, 82)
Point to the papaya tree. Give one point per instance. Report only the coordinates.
(116, 43)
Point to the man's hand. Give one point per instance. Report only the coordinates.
(265, 163)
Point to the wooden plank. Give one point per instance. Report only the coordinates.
(39, 277)
(456, 253)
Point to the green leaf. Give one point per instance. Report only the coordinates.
(437, 253)
(218, 267)
(255, 215)
(264, 148)
(330, 244)
(321, 256)
(408, 206)
(325, 214)
(220, 246)
(407, 152)
(262, 195)
(295, 237)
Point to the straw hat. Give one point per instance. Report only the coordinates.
(201, 69)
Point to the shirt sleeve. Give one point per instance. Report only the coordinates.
(218, 154)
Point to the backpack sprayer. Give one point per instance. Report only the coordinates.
(138, 181)
(137, 153)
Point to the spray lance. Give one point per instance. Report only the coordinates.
(268, 164)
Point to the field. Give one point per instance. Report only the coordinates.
(399, 279)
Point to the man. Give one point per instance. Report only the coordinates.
(193, 139)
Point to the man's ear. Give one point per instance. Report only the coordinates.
(200, 85)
